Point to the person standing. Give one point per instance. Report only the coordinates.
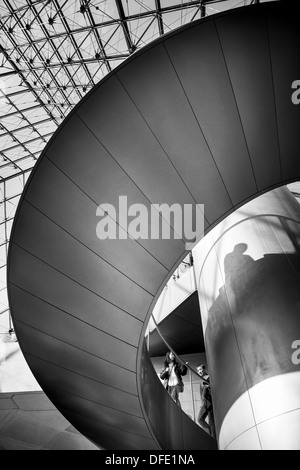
(172, 376)
(206, 409)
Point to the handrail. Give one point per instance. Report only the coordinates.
(171, 349)
(186, 364)
(173, 428)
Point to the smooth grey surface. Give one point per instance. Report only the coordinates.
(76, 219)
(59, 380)
(125, 128)
(174, 125)
(253, 94)
(171, 124)
(203, 74)
(286, 69)
(67, 254)
(79, 301)
(100, 177)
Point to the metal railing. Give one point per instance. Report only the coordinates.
(190, 400)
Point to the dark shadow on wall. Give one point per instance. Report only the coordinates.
(252, 324)
(236, 261)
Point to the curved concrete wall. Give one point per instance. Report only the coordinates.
(248, 271)
(203, 115)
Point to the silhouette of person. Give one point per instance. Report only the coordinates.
(236, 263)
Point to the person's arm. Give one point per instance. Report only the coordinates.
(206, 379)
(183, 369)
(164, 373)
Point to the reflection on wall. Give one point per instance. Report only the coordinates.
(248, 273)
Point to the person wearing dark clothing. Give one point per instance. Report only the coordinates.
(172, 376)
(206, 410)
